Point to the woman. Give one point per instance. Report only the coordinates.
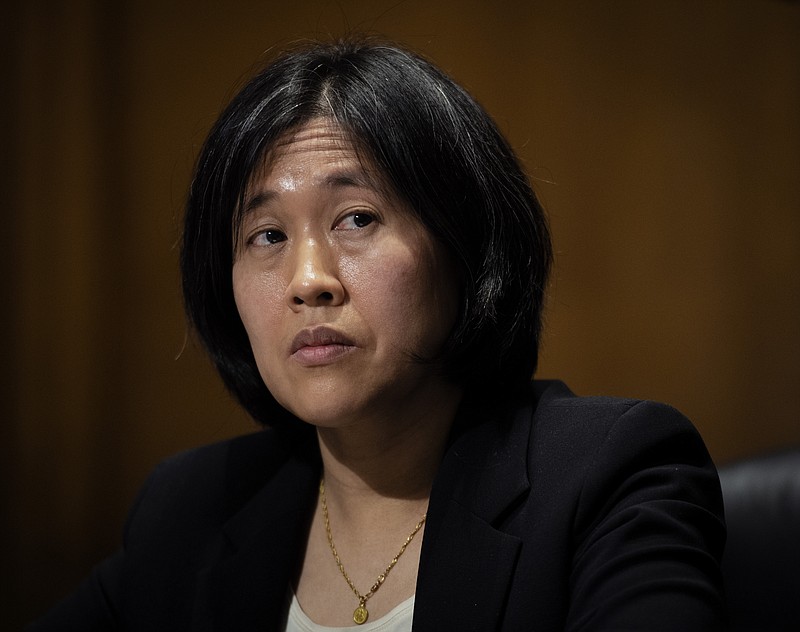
(365, 262)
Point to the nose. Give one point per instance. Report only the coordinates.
(314, 277)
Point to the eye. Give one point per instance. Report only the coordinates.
(266, 237)
(353, 221)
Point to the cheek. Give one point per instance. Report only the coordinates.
(403, 291)
(379, 277)
(258, 299)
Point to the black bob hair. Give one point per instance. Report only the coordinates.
(437, 149)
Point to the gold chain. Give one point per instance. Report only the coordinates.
(361, 614)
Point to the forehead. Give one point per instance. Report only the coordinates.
(318, 155)
(314, 150)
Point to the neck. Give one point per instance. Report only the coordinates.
(393, 458)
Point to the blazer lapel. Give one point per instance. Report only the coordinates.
(247, 586)
(467, 561)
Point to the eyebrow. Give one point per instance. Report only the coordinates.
(259, 199)
(336, 180)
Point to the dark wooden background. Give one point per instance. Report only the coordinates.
(662, 135)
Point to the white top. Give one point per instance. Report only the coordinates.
(398, 620)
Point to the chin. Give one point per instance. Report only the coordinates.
(327, 418)
(323, 410)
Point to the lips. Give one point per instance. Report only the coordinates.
(320, 345)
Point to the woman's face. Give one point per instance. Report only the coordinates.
(339, 287)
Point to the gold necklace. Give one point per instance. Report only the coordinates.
(361, 614)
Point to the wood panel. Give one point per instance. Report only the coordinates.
(663, 136)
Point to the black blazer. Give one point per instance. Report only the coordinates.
(561, 513)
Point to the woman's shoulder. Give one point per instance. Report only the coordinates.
(596, 443)
(557, 411)
(555, 395)
(206, 485)
(550, 428)
(205, 467)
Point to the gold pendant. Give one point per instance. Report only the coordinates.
(360, 614)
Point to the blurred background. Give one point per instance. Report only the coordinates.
(663, 137)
